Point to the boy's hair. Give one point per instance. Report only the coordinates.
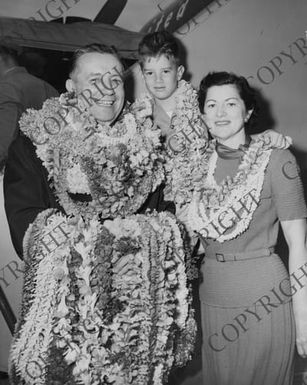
(158, 43)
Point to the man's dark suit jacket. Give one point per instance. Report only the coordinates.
(18, 91)
(27, 191)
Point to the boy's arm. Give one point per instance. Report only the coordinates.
(155, 201)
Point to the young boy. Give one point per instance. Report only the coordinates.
(175, 104)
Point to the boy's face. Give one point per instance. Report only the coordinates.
(161, 75)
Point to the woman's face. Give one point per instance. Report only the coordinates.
(225, 114)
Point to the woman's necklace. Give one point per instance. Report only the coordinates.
(224, 211)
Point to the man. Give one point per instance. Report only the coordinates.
(96, 78)
(102, 162)
(18, 91)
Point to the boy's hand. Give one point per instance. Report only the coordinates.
(277, 140)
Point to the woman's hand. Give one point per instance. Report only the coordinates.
(295, 235)
(301, 333)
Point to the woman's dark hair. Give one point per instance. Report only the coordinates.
(158, 43)
(246, 92)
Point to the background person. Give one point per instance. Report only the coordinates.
(18, 91)
(242, 195)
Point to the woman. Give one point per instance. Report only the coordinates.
(242, 192)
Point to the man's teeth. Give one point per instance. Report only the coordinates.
(106, 102)
(222, 123)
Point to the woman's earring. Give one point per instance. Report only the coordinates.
(248, 116)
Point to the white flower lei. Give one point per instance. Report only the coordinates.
(186, 118)
(191, 135)
(185, 115)
(214, 209)
(29, 350)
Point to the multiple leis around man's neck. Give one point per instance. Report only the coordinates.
(224, 211)
(96, 168)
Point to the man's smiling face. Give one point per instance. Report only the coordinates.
(98, 76)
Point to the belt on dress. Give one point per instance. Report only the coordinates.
(240, 256)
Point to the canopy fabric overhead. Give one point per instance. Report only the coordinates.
(68, 37)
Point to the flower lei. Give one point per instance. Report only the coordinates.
(190, 138)
(39, 296)
(184, 147)
(95, 168)
(224, 211)
(110, 305)
(186, 123)
(188, 127)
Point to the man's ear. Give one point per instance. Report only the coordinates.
(180, 72)
(70, 85)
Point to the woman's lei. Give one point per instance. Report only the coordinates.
(95, 168)
(224, 211)
(110, 305)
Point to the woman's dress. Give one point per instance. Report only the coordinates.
(247, 319)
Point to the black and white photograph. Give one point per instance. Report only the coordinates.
(153, 192)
